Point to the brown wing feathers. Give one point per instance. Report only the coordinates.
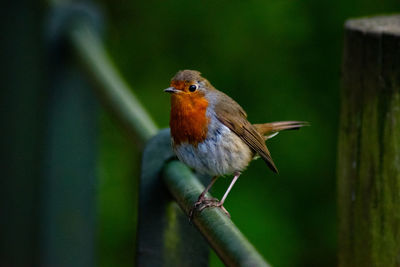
(233, 116)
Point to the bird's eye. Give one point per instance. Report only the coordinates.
(193, 87)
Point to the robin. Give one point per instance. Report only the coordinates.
(211, 134)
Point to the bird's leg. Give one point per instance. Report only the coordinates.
(220, 203)
(202, 200)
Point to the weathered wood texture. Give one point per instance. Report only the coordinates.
(369, 144)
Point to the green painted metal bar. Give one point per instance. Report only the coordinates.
(111, 87)
(69, 186)
(224, 237)
(165, 236)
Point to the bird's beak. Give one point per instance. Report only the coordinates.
(171, 90)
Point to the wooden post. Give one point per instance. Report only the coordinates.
(369, 144)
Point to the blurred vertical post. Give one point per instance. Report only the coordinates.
(68, 224)
(21, 108)
(369, 144)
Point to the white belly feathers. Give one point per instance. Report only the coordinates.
(223, 152)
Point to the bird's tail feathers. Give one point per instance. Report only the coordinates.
(271, 129)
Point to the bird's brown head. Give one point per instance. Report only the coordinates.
(189, 104)
(189, 83)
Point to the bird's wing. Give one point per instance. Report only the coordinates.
(232, 115)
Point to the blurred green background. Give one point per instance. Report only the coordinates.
(280, 60)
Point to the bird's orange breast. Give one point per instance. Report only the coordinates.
(189, 122)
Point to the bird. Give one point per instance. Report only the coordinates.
(210, 133)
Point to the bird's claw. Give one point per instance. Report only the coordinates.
(201, 201)
(204, 203)
(215, 204)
